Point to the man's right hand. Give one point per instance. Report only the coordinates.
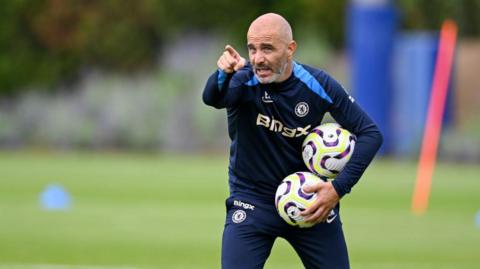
(230, 61)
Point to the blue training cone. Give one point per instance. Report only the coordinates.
(55, 197)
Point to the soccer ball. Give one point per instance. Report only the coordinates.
(327, 149)
(290, 199)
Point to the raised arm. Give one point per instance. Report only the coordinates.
(219, 92)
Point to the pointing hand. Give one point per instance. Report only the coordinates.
(230, 60)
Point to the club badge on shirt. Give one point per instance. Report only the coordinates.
(301, 109)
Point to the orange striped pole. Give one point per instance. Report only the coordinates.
(433, 124)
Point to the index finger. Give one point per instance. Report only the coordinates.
(232, 51)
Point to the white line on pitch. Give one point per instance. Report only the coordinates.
(61, 266)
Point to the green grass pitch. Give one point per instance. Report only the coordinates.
(146, 211)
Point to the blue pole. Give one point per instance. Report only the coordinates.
(371, 29)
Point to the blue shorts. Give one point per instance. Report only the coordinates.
(251, 228)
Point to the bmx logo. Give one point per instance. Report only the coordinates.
(278, 127)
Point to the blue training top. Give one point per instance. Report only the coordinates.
(267, 124)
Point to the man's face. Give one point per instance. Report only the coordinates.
(269, 56)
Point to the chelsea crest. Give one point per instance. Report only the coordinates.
(301, 109)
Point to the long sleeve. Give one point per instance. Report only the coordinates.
(369, 139)
(222, 90)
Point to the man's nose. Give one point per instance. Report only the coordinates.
(259, 58)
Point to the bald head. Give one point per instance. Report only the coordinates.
(273, 25)
(271, 48)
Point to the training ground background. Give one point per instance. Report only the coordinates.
(167, 211)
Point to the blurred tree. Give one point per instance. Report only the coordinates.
(45, 42)
(429, 14)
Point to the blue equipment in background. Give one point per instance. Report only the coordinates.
(414, 58)
(371, 33)
(392, 73)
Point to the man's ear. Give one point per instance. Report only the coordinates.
(291, 48)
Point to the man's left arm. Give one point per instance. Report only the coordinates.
(369, 138)
(350, 116)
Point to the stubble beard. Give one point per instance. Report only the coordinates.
(275, 77)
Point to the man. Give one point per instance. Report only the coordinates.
(272, 102)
